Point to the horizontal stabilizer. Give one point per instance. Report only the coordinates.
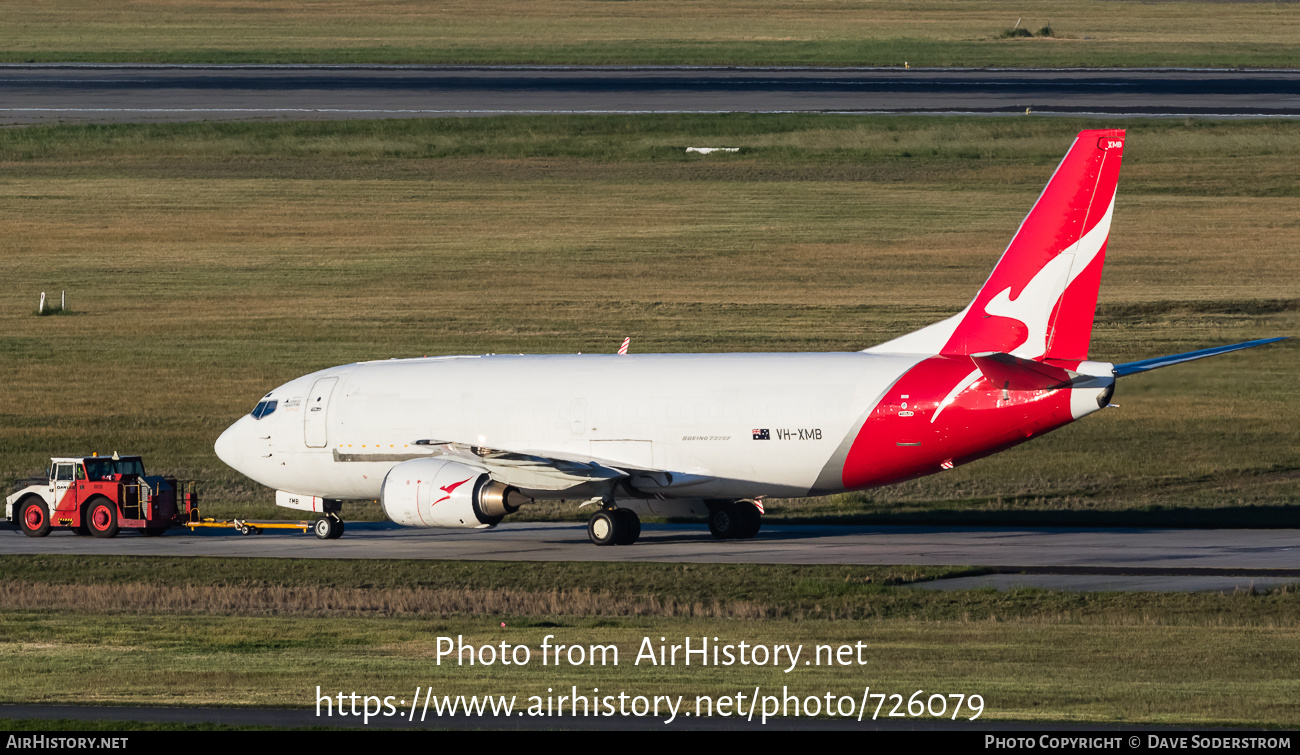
(1016, 374)
(1145, 365)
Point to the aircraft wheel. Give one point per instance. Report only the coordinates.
(724, 523)
(629, 528)
(103, 518)
(750, 520)
(328, 528)
(603, 528)
(34, 518)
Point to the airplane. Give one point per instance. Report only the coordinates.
(464, 441)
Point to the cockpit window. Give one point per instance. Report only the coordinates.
(264, 408)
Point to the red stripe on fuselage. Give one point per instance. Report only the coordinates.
(894, 445)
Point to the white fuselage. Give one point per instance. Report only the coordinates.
(702, 417)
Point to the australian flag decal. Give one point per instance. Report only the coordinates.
(762, 435)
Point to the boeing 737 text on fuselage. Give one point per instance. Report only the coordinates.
(464, 441)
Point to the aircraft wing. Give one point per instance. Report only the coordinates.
(531, 470)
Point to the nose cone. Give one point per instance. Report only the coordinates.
(229, 446)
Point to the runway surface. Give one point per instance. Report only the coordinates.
(1062, 558)
(106, 93)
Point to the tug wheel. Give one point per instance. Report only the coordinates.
(34, 518)
(102, 518)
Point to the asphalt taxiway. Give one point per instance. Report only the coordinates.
(1060, 558)
(32, 93)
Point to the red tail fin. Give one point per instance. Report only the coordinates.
(1040, 300)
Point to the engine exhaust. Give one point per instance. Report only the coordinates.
(497, 499)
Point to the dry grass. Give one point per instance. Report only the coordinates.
(1268, 609)
(265, 633)
(1202, 675)
(576, 591)
(335, 601)
(870, 32)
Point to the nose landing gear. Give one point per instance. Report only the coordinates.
(329, 527)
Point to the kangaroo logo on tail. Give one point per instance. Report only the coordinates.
(1040, 299)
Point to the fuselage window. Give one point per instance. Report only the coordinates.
(264, 408)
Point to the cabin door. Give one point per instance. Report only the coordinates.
(316, 414)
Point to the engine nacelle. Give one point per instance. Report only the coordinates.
(439, 492)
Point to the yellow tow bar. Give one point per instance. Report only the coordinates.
(249, 528)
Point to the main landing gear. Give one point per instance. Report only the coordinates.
(740, 520)
(614, 527)
(728, 520)
(329, 527)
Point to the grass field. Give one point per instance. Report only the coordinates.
(177, 631)
(1095, 33)
(207, 263)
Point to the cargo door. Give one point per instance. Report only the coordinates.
(315, 418)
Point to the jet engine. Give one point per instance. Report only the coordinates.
(438, 492)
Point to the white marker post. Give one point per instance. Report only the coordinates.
(42, 309)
